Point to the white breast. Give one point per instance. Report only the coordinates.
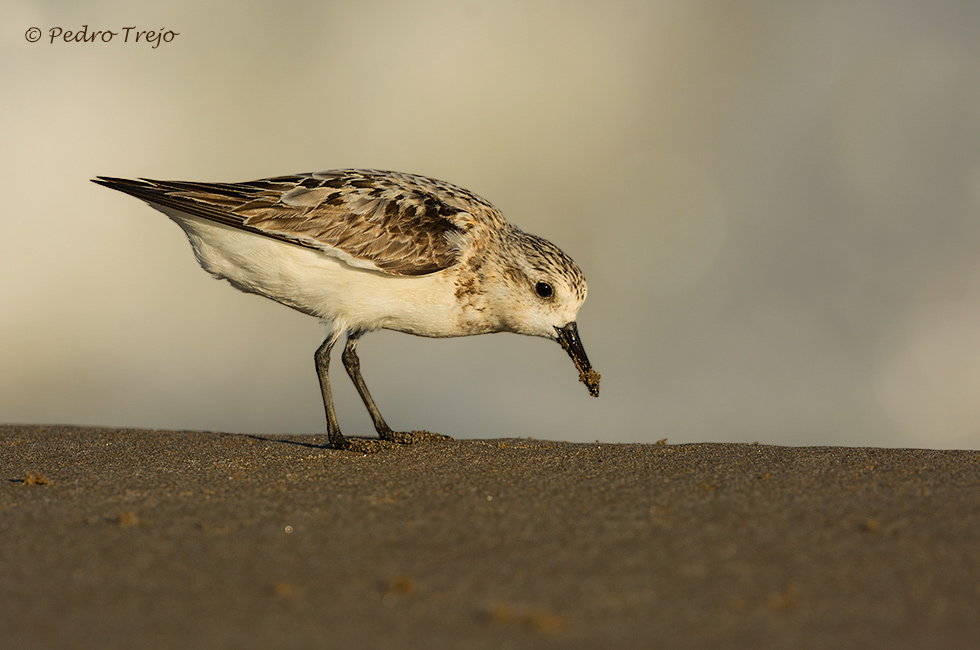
(322, 285)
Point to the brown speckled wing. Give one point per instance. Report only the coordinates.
(401, 224)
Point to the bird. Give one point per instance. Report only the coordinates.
(368, 249)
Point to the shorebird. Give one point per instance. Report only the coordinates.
(365, 249)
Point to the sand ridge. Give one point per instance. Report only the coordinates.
(203, 539)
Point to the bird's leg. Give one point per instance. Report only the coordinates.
(322, 358)
(353, 366)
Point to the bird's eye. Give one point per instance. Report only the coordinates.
(544, 290)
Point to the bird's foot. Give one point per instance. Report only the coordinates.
(360, 445)
(386, 441)
(411, 437)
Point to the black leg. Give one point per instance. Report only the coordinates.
(322, 358)
(353, 366)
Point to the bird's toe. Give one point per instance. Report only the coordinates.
(412, 437)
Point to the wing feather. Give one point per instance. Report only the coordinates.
(402, 224)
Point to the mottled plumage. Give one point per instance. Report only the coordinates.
(369, 249)
(398, 223)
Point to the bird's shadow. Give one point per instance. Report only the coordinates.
(308, 445)
(372, 444)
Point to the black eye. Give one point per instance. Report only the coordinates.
(544, 290)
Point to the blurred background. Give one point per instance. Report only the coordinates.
(776, 206)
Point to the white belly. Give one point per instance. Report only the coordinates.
(320, 285)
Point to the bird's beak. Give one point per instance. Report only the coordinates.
(568, 337)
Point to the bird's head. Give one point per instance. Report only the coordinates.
(538, 291)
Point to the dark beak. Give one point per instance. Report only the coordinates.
(568, 337)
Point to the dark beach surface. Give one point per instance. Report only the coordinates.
(114, 538)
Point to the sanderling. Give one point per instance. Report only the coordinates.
(364, 249)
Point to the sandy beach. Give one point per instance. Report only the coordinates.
(158, 539)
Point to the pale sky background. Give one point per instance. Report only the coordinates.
(776, 204)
